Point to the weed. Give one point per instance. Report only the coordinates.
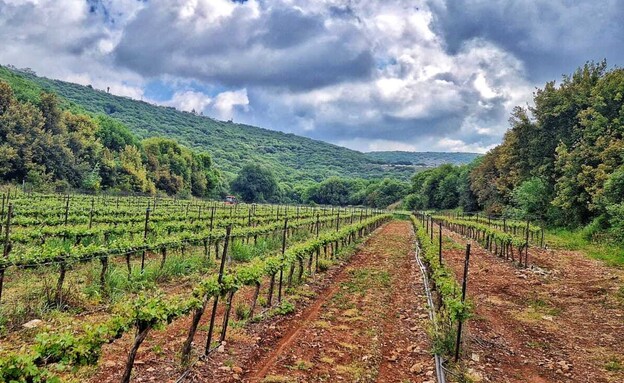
(302, 365)
(324, 264)
(277, 379)
(614, 366)
(242, 252)
(242, 311)
(284, 308)
(157, 349)
(262, 301)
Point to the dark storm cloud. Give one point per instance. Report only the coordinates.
(281, 46)
(551, 37)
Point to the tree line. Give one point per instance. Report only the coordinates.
(561, 161)
(51, 148)
(257, 183)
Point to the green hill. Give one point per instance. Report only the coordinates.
(292, 158)
(421, 159)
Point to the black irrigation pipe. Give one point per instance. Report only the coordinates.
(439, 363)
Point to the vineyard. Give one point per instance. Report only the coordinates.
(524, 308)
(110, 266)
(121, 289)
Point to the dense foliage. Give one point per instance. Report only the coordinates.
(47, 146)
(422, 159)
(562, 160)
(339, 191)
(293, 159)
(444, 187)
(256, 183)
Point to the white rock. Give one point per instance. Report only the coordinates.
(33, 323)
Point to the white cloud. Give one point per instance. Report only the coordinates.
(223, 106)
(189, 101)
(225, 103)
(372, 75)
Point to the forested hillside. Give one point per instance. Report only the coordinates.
(422, 159)
(55, 149)
(562, 160)
(293, 159)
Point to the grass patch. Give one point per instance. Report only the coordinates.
(355, 371)
(538, 345)
(322, 324)
(449, 243)
(361, 280)
(277, 379)
(614, 366)
(576, 240)
(302, 365)
(541, 306)
(619, 295)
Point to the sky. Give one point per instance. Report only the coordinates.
(416, 75)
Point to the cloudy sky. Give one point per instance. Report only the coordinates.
(366, 74)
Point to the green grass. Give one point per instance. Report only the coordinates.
(614, 364)
(566, 239)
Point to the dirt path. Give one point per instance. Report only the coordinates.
(370, 326)
(562, 323)
(364, 320)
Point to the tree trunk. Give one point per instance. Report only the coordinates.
(254, 300)
(104, 260)
(128, 265)
(163, 252)
(59, 285)
(186, 348)
(270, 297)
(138, 339)
(226, 316)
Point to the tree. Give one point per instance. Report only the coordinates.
(114, 135)
(255, 183)
(531, 199)
(332, 191)
(386, 193)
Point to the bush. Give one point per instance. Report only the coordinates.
(285, 308)
(324, 264)
(242, 311)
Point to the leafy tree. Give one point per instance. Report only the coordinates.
(256, 183)
(132, 174)
(530, 199)
(93, 181)
(414, 201)
(114, 135)
(332, 191)
(386, 193)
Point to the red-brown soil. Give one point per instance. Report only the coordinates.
(369, 327)
(364, 320)
(562, 321)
